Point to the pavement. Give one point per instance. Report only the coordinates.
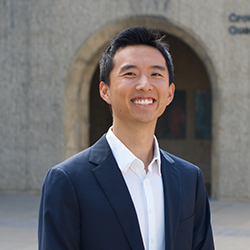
(18, 222)
(231, 224)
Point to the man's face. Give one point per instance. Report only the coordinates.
(139, 88)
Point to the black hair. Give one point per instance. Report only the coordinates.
(134, 36)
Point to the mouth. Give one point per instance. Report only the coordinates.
(143, 101)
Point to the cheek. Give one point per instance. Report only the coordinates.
(122, 93)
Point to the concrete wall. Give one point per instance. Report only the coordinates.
(49, 51)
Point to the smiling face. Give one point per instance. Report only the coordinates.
(139, 88)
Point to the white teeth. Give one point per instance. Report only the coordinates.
(143, 102)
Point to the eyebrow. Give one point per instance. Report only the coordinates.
(160, 67)
(130, 66)
(127, 66)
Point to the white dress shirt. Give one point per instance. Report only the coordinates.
(146, 191)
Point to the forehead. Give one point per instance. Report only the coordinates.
(138, 55)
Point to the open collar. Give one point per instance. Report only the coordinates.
(111, 180)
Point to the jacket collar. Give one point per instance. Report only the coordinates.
(111, 180)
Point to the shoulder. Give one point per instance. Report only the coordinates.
(81, 164)
(179, 163)
(64, 173)
(187, 170)
(87, 158)
(74, 161)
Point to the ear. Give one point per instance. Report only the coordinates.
(104, 92)
(171, 93)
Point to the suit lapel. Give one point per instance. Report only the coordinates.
(172, 197)
(111, 180)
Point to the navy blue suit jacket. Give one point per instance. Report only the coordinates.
(85, 205)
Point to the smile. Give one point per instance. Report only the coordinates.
(143, 101)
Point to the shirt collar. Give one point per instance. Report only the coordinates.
(124, 157)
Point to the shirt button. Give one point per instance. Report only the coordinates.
(152, 241)
(150, 211)
(146, 183)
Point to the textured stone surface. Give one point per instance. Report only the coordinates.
(39, 43)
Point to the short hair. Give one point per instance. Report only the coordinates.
(134, 36)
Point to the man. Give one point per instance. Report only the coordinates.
(124, 192)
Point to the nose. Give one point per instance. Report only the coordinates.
(144, 84)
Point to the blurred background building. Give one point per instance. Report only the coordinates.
(50, 108)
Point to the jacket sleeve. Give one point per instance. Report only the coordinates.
(202, 234)
(59, 215)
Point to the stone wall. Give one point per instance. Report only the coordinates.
(43, 47)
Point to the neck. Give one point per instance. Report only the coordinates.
(138, 140)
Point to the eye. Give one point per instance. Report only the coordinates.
(157, 74)
(129, 74)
